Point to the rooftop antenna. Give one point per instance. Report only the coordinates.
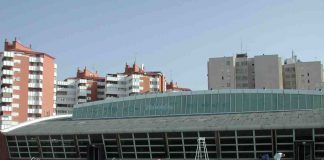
(241, 46)
(135, 55)
(171, 79)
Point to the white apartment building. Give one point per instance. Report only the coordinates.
(85, 87)
(88, 86)
(123, 85)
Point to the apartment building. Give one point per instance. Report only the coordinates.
(221, 72)
(268, 72)
(243, 72)
(27, 83)
(134, 80)
(173, 87)
(87, 86)
(302, 75)
(264, 72)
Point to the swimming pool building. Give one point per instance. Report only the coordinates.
(237, 124)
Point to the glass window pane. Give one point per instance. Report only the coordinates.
(239, 102)
(214, 105)
(260, 101)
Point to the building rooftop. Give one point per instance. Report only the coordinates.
(243, 121)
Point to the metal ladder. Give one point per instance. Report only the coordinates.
(201, 152)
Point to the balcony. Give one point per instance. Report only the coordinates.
(36, 68)
(35, 102)
(7, 81)
(35, 85)
(82, 81)
(5, 108)
(7, 72)
(8, 54)
(6, 118)
(36, 59)
(35, 111)
(82, 93)
(6, 90)
(82, 100)
(8, 63)
(35, 76)
(9, 100)
(82, 87)
(35, 94)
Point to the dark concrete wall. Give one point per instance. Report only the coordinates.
(4, 154)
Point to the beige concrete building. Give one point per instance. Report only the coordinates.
(264, 72)
(268, 72)
(243, 72)
(302, 75)
(221, 72)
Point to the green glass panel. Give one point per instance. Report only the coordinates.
(114, 109)
(155, 109)
(302, 101)
(177, 105)
(190, 105)
(310, 104)
(232, 102)
(128, 107)
(201, 103)
(239, 102)
(207, 103)
(222, 101)
(105, 110)
(137, 107)
(214, 104)
(253, 101)
(294, 101)
(227, 102)
(120, 109)
(260, 101)
(268, 101)
(142, 106)
(317, 101)
(280, 101)
(125, 105)
(184, 104)
(246, 102)
(171, 109)
(194, 102)
(286, 101)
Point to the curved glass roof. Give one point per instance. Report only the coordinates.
(201, 102)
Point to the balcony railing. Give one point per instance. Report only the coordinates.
(35, 111)
(7, 81)
(35, 85)
(6, 90)
(7, 72)
(36, 68)
(34, 102)
(6, 99)
(8, 63)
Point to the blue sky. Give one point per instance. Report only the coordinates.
(172, 36)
